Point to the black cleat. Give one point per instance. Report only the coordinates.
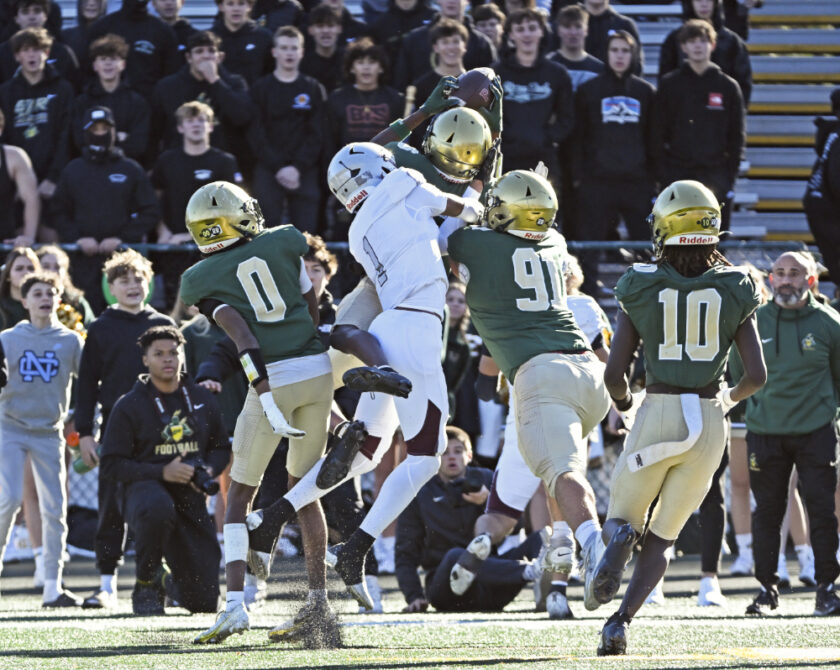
(65, 599)
(607, 578)
(336, 465)
(383, 379)
(764, 603)
(147, 600)
(614, 636)
(351, 569)
(828, 604)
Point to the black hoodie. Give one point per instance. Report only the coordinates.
(153, 47)
(247, 51)
(597, 39)
(38, 120)
(76, 37)
(131, 113)
(539, 108)
(390, 29)
(61, 57)
(140, 439)
(111, 360)
(730, 51)
(271, 14)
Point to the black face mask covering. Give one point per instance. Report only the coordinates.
(99, 145)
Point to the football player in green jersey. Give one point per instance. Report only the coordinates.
(253, 283)
(517, 298)
(688, 306)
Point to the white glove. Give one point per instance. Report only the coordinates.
(472, 211)
(275, 417)
(726, 401)
(628, 416)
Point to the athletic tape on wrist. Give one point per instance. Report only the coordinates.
(236, 542)
(254, 365)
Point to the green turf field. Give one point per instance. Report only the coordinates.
(675, 635)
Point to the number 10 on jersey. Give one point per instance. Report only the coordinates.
(702, 325)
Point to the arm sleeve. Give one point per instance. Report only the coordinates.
(408, 551)
(118, 450)
(87, 386)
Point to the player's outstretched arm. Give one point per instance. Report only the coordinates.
(437, 101)
(752, 357)
(624, 343)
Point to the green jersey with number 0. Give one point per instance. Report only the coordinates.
(687, 324)
(407, 156)
(260, 279)
(516, 294)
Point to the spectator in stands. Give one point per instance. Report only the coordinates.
(8, 25)
(539, 106)
(324, 53)
(449, 44)
(822, 195)
(415, 54)
(177, 174)
(153, 50)
(360, 110)
(169, 12)
(699, 120)
(287, 136)
(737, 15)
(246, 46)
(110, 365)
(36, 106)
(572, 26)
(103, 199)
(74, 309)
(351, 27)
(435, 527)
(33, 14)
(159, 436)
(603, 19)
(730, 52)
(271, 14)
(613, 152)
(19, 193)
(401, 17)
(87, 12)
(131, 111)
(42, 357)
(460, 363)
(801, 340)
(20, 262)
(202, 78)
(490, 21)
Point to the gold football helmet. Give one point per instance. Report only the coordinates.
(521, 203)
(685, 213)
(221, 213)
(457, 142)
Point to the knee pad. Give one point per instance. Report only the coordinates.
(420, 469)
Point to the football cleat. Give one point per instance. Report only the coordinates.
(351, 437)
(592, 553)
(64, 599)
(469, 563)
(557, 606)
(351, 570)
(377, 379)
(100, 600)
(614, 637)
(259, 561)
(557, 553)
(764, 603)
(607, 578)
(828, 604)
(806, 566)
(742, 566)
(314, 618)
(710, 594)
(375, 591)
(256, 591)
(228, 622)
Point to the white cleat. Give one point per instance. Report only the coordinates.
(592, 553)
(464, 571)
(806, 566)
(557, 553)
(227, 623)
(657, 596)
(710, 594)
(375, 591)
(256, 592)
(558, 606)
(742, 566)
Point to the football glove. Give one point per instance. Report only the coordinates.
(487, 171)
(439, 99)
(493, 113)
(472, 211)
(726, 401)
(275, 417)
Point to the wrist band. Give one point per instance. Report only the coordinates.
(625, 404)
(254, 365)
(400, 129)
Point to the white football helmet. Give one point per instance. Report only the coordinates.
(356, 169)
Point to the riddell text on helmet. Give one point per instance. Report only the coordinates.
(361, 195)
(693, 239)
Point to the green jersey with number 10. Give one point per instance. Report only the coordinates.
(260, 279)
(516, 294)
(687, 324)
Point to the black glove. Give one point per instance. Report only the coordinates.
(487, 171)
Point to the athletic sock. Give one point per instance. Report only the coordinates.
(316, 596)
(106, 582)
(559, 586)
(351, 559)
(274, 517)
(586, 530)
(51, 591)
(744, 542)
(233, 599)
(398, 491)
(531, 571)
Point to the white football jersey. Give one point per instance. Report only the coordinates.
(590, 317)
(395, 239)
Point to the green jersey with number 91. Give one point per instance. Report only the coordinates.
(516, 294)
(687, 324)
(260, 279)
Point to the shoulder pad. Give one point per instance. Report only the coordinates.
(645, 267)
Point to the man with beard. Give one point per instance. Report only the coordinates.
(790, 422)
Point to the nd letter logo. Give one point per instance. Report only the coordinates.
(31, 365)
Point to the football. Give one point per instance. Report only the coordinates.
(474, 87)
